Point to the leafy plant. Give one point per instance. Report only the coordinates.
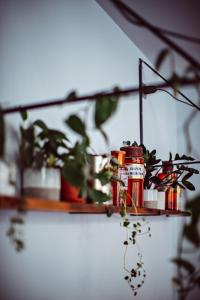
(76, 161)
(136, 274)
(179, 175)
(41, 146)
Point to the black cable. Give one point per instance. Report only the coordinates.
(164, 79)
(177, 99)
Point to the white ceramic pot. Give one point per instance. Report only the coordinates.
(150, 198)
(6, 174)
(43, 183)
(97, 163)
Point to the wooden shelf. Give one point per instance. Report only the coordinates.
(37, 204)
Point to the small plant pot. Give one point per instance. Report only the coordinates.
(43, 183)
(69, 193)
(150, 198)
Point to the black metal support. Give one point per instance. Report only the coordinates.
(141, 90)
(140, 101)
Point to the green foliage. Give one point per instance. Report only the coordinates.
(191, 230)
(104, 176)
(161, 58)
(76, 124)
(134, 275)
(24, 115)
(183, 157)
(40, 145)
(105, 107)
(151, 162)
(73, 172)
(2, 134)
(185, 264)
(98, 196)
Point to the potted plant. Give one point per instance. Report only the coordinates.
(40, 159)
(7, 174)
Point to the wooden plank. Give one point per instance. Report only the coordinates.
(37, 204)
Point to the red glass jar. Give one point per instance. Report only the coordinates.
(170, 192)
(119, 190)
(134, 161)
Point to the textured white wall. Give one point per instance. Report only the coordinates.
(49, 48)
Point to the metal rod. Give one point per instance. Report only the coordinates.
(140, 101)
(93, 97)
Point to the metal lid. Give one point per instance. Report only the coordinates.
(133, 151)
(119, 155)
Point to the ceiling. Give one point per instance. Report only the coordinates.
(178, 15)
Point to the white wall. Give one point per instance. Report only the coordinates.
(49, 48)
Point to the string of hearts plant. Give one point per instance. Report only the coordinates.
(134, 274)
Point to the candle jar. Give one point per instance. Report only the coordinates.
(134, 161)
(169, 177)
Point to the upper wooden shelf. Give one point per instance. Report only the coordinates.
(37, 204)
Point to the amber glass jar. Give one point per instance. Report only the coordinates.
(134, 161)
(170, 192)
(119, 190)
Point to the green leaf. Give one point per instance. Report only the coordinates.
(56, 135)
(98, 196)
(161, 57)
(40, 124)
(192, 234)
(114, 161)
(76, 124)
(24, 115)
(187, 176)
(177, 283)
(71, 96)
(170, 156)
(183, 157)
(104, 109)
(51, 161)
(104, 135)
(134, 144)
(104, 176)
(17, 220)
(188, 185)
(74, 173)
(185, 264)
(126, 223)
(109, 211)
(122, 211)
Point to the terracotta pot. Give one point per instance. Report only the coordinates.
(70, 193)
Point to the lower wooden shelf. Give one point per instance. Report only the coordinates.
(37, 204)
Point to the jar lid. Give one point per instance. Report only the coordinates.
(119, 155)
(167, 166)
(133, 151)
